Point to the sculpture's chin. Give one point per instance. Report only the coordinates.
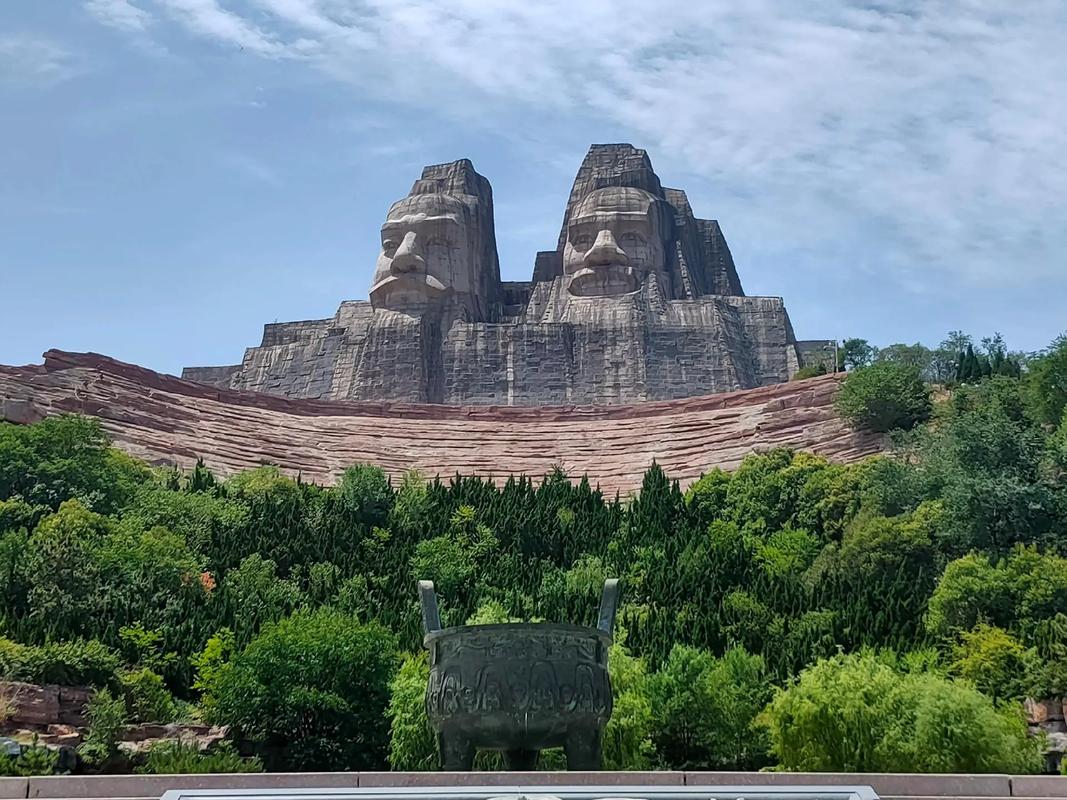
(413, 293)
(603, 281)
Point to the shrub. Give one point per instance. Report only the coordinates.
(12, 658)
(147, 697)
(209, 664)
(855, 713)
(73, 663)
(178, 758)
(33, 760)
(411, 740)
(628, 735)
(63, 458)
(310, 692)
(885, 397)
(703, 709)
(996, 663)
(811, 371)
(106, 715)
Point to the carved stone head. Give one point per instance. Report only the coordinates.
(615, 239)
(425, 253)
(438, 247)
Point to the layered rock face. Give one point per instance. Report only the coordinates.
(166, 420)
(640, 301)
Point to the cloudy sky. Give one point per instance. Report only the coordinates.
(175, 173)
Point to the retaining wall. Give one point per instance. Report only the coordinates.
(888, 786)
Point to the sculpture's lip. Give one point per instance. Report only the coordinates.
(590, 281)
(408, 280)
(518, 628)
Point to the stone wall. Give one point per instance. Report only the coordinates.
(166, 420)
(889, 786)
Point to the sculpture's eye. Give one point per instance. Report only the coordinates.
(582, 241)
(389, 247)
(631, 239)
(437, 241)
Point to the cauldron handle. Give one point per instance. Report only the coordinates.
(431, 617)
(609, 603)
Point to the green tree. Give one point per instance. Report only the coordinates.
(255, 594)
(885, 397)
(855, 354)
(855, 713)
(310, 692)
(994, 661)
(66, 458)
(703, 709)
(912, 355)
(1047, 382)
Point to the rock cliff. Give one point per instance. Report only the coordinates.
(167, 420)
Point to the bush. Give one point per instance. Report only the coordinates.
(74, 663)
(177, 758)
(996, 663)
(63, 458)
(12, 658)
(106, 715)
(147, 697)
(855, 713)
(33, 760)
(885, 397)
(811, 371)
(310, 693)
(411, 740)
(703, 709)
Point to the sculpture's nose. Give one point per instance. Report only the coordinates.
(605, 251)
(408, 256)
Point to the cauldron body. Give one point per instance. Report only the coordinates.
(519, 688)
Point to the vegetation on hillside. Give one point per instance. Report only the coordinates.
(775, 615)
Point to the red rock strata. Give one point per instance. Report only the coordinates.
(166, 420)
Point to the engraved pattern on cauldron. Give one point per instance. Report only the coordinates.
(504, 687)
(538, 671)
(532, 645)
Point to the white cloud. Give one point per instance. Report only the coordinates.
(31, 62)
(939, 129)
(210, 19)
(120, 14)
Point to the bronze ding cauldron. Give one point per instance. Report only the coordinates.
(519, 688)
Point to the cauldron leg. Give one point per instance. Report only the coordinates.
(457, 753)
(583, 750)
(521, 760)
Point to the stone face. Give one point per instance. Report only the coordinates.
(166, 420)
(640, 301)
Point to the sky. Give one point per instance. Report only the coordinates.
(176, 173)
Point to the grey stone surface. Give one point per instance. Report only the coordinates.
(640, 301)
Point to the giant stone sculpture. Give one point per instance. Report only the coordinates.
(639, 301)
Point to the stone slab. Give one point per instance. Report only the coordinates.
(885, 784)
(1039, 786)
(14, 787)
(416, 779)
(129, 786)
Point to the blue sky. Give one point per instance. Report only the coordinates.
(175, 173)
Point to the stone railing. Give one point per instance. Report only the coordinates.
(888, 786)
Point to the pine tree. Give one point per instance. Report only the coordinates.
(971, 371)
